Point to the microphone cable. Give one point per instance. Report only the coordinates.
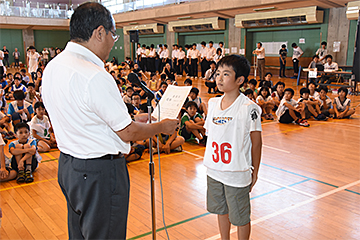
(161, 186)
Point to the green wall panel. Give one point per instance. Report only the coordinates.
(155, 39)
(198, 37)
(12, 38)
(351, 44)
(311, 35)
(118, 49)
(50, 38)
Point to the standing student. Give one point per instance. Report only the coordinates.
(283, 54)
(203, 53)
(194, 59)
(260, 55)
(151, 59)
(181, 61)
(92, 170)
(175, 56)
(16, 55)
(297, 53)
(322, 52)
(221, 45)
(159, 54)
(210, 54)
(33, 58)
(6, 56)
(233, 157)
(138, 53)
(143, 58)
(164, 57)
(2, 70)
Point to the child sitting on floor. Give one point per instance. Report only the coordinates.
(24, 160)
(20, 110)
(252, 86)
(40, 128)
(289, 110)
(312, 108)
(194, 96)
(250, 94)
(266, 103)
(325, 102)
(278, 94)
(6, 173)
(192, 124)
(342, 105)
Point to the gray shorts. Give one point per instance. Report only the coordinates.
(223, 199)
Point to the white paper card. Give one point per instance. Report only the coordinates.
(242, 51)
(171, 102)
(227, 51)
(234, 50)
(312, 74)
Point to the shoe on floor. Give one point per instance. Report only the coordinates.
(294, 77)
(178, 149)
(304, 123)
(28, 176)
(21, 176)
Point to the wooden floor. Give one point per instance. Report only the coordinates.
(308, 188)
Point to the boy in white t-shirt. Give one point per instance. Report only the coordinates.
(40, 129)
(297, 53)
(6, 172)
(233, 149)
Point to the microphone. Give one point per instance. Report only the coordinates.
(134, 79)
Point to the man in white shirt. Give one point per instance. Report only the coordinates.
(151, 59)
(175, 56)
(164, 57)
(329, 66)
(159, 61)
(1, 63)
(221, 45)
(194, 59)
(16, 55)
(181, 61)
(93, 128)
(45, 56)
(297, 53)
(138, 53)
(260, 54)
(203, 62)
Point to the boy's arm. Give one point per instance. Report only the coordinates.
(336, 110)
(3, 172)
(342, 114)
(193, 125)
(256, 147)
(289, 106)
(35, 135)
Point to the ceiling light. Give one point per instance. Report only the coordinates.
(264, 9)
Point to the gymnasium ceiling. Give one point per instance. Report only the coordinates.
(190, 10)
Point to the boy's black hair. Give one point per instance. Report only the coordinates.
(135, 94)
(160, 45)
(304, 90)
(23, 70)
(9, 74)
(315, 56)
(283, 46)
(17, 78)
(152, 74)
(112, 71)
(122, 80)
(152, 45)
(266, 84)
(31, 85)
(324, 43)
(194, 44)
(329, 56)
(19, 95)
(117, 82)
(293, 45)
(212, 62)
(163, 76)
(343, 89)
(266, 89)
(248, 92)
(279, 83)
(312, 83)
(39, 104)
(188, 80)
(191, 103)
(21, 125)
(268, 74)
(253, 82)
(163, 83)
(239, 64)
(129, 88)
(195, 90)
(180, 46)
(325, 88)
(144, 45)
(290, 90)
(147, 47)
(221, 43)
(165, 45)
(211, 42)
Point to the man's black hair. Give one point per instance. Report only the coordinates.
(39, 104)
(160, 45)
(144, 45)
(293, 45)
(290, 90)
(239, 64)
(324, 43)
(260, 44)
(203, 43)
(283, 46)
(152, 45)
(19, 95)
(32, 47)
(188, 80)
(195, 90)
(211, 42)
(21, 125)
(221, 43)
(194, 44)
(88, 17)
(165, 45)
(191, 103)
(304, 90)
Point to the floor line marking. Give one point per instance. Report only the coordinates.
(194, 154)
(345, 124)
(259, 220)
(290, 186)
(27, 184)
(277, 149)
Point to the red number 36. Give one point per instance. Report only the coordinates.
(225, 152)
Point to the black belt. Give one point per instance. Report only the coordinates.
(105, 157)
(261, 58)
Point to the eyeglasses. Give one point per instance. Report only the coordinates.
(114, 35)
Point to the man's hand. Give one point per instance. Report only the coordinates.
(253, 181)
(143, 117)
(169, 126)
(166, 148)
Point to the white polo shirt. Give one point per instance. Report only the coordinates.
(261, 55)
(84, 104)
(194, 54)
(203, 52)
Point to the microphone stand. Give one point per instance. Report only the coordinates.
(151, 171)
